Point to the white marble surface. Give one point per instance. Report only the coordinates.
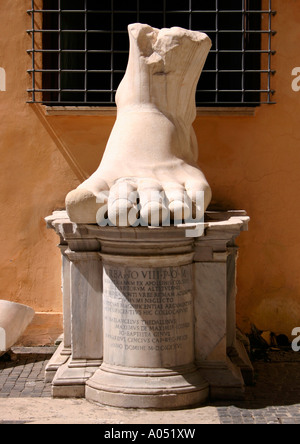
(153, 138)
(210, 309)
(86, 306)
(14, 319)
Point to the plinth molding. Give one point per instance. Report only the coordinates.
(147, 388)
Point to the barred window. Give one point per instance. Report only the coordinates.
(80, 48)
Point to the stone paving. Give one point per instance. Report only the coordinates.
(25, 376)
(274, 398)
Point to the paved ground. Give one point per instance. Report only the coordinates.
(26, 398)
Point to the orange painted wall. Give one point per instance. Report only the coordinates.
(252, 163)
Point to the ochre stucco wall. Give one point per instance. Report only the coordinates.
(252, 163)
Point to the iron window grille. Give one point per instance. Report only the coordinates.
(80, 48)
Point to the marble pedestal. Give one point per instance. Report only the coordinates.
(63, 351)
(149, 314)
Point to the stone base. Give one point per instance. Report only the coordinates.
(240, 358)
(59, 358)
(147, 388)
(225, 380)
(70, 378)
(227, 393)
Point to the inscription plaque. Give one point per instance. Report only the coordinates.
(148, 316)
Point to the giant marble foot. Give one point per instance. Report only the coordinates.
(149, 166)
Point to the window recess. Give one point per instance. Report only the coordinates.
(79, 48)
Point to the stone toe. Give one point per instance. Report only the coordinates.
(200, 195)
(122, 203)
(82, 207)
(153, 210)
(178, 202)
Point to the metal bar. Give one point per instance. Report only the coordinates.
(121, 71)
(243, 49)
(59, 53)
(114, 90)
(269, 55)
(100, 31)
(102, 51)
(72, 90)
(221, 51)
(112, 51)
(170, 11)
(190, 14)
(235, 90)
(86, 53)
(33, 57)
(138, 10)
(217, 53)
(82, 71)
(92, 103)
(263, 71)
(73, 31)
